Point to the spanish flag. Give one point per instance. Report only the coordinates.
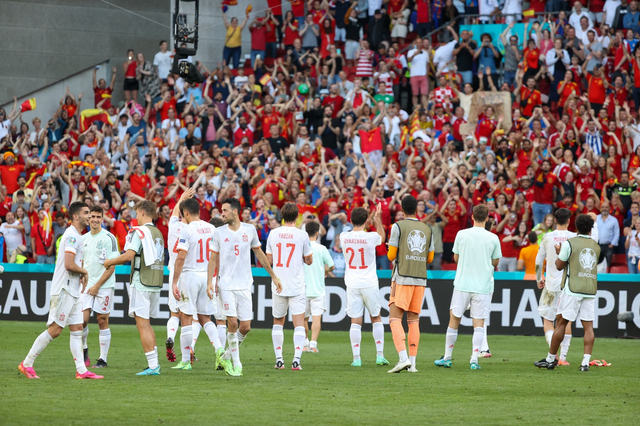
(28, 105)
(528, 13)
(265, 79)
(249, 9)
(229, 2)
(370, 141)
(90, 116)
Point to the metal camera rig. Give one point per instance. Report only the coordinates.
(185, 43)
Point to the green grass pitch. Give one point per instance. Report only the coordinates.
(508, 390)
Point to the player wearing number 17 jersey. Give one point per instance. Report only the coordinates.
(190, 286)
(231, 258)
(289, 249)
(361, 279)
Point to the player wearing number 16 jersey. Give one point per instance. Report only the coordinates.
(361, 279)
(289, 249)
(231, 257)
(190, 286)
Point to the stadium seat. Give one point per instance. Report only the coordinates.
(619, 259)
(617, 269)
(448, 266)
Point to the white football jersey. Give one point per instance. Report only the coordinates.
(359, 250)
(71, 242)
(234, 249)
(195, 238)
(289, 246)
(175, 226)
(547, 252)
(97, 249)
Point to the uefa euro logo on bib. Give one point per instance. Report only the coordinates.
(588, 259)
(416, 241)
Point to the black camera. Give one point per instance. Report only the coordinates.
(185, 34)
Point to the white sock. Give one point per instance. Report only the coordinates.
(551, 357)
(485, 343)
(585, 359)
(155, 349)
(298, 342)
(222, 334)
(413, 360)
(186, 339)
(38, 346)
(277, 337)
(564, 347)
(85, 334)
(105, 342)
(476, 341)
(212, 333)
(75, 344)
(195, 331)
(313, 344)
(403, 355)
(306, 343)
(548, 336)
(232, 338)
(172, 327)
(378, 337)
(152, 359)
(241, 337)
(355, 334)
(450, 341)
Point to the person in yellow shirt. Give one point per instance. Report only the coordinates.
(527, 258)
(233, 40)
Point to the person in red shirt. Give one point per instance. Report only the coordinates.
(334, 99)
(290, 29)
(100, 90)
(259, 31)
(530, 98)
(487, 123)
(597, 91)
(509, 242)
(531, 56)
(566, 88)
(349, 200)
(568, 203)
(274, 32)
(6, 202)
(139, 181)
(543, 185)
(619, 91)
(205, 206)
(122, 227)
(10, 170)
(622, 57)
(525, 154)
(453, 213)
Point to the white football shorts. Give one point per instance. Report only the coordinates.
(572, 307)
(478, 304)
(65, 309)
(281, 304)
(237, 303)
(359, 298)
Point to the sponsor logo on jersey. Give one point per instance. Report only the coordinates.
(183, 240)
(226, 240)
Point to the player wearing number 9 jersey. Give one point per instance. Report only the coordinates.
(231, 258)
(289, 249)
(361, 279)
(190, 286)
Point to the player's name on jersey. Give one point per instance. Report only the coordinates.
(354, 241)
(286, 236)
(204, 230)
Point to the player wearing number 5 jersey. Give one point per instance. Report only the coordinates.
(190, 286)
(289, 249)
(361, 279)
(231, 258)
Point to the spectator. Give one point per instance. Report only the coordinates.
(131, 85)
(162, 61)
(233, 41)
(102, 92)
(13, 232)
(527, 258)
(147, 75)
(608, 232)
(632, 244)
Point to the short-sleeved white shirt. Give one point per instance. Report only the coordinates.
(235, 256)
(13, 237)
(175, 226)
(4, 128)
(359, 250)
(476, 247)
(71, 242)
(164, 63)
(98, 248)
(289, 246)
(195, 238)
(418, 63)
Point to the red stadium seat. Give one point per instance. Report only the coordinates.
(619, 259)
(448, 266)
(619, 270)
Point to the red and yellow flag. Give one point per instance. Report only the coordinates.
(249, 9)
(370, 141)
(89, 116)
(28, 105)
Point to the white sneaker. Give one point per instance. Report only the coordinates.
(412, 369)
(401, 365)
(485, 354)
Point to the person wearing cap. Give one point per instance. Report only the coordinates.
(10, 171)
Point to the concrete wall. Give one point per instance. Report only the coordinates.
(44, 41)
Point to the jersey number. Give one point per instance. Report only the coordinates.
(353, 253)
(203, 250)
(289, 245)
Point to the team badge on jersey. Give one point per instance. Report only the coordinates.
(245, 238)
(61, 317)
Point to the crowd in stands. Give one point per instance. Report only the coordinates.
(324, 81)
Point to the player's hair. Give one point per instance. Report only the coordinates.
(217, 221)
(533, 237)
(289, 212)
(148, 207)
(480, 213)
(76, 208)
(234, 204)
(562, 216)
(96, 209)
(312, 228)
(584, 224)
(409, 205)
(359, 216)
(190, 205)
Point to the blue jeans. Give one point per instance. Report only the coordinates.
(467, 77)
(540, 211)
(232, 52)
(383, 262)
(510, 77)
(272, 49)
(633, 268)
(255, 53)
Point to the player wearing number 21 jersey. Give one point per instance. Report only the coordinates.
(190, 286)
(289, 249)
(361, 279)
